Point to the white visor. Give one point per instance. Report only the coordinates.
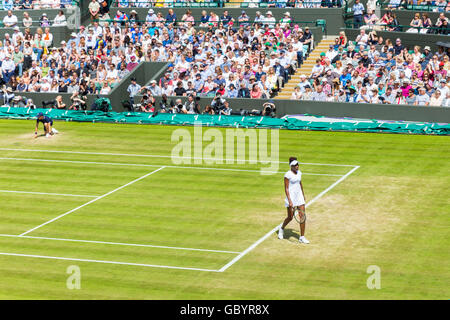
(293, 163)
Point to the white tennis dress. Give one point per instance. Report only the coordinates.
(295, 191)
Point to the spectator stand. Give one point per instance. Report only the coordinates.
(263, 4)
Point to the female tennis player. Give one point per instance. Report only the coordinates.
(48, 125)
(295, 198)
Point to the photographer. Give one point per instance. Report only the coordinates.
(178, 107)
(147, 104)
(59, 104)
(226, 110)
(217, 103)
(18, 102)
(269, 109)
(191, 105)
(49, 104)
(78, 101)
(8, 95)
(30, 104)
(165, 104)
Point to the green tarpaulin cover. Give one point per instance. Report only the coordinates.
(230, 121)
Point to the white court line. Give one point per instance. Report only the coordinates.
(163, 156)
(51, 194)
(103, 261)
(268, 234)
(155, 165)
(119, 243)
(93, 200)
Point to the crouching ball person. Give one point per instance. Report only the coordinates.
(295, 198)
(48, 125)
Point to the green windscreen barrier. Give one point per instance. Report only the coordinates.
(231, 121)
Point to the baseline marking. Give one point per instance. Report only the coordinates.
(119, 243)
(51, 194)
(155, 165)
(268, 234)
(163, 156)
(93, 200)
(103, 261)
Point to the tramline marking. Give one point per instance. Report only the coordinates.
(119, 243)
(93, 200)
(268, 234)
(164, 156)
(48, 193)
(155, 165)
(104, 261)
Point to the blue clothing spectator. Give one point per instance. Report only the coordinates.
(171, 18)
(344, 78)
(358, 11)
(8, 4)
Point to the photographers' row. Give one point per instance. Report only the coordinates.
(218, 105)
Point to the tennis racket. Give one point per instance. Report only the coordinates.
(298, 217)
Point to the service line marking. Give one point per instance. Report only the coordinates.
(49, 194)
(119, 243)
(155, 165)
(104, 261)
(166, 156)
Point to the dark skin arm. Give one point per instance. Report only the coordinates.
(36, 130)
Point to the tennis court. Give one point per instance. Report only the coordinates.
(138, 209)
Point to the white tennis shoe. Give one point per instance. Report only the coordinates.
(48, 135)
(302, 239)
(280, 234)
(55, 131)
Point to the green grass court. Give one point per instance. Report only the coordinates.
(109, 199)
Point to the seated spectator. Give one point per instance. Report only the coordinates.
(426, 24)
(44, 21)
(296, 94)
(415, 23)
(371, 20)
(208, 110)
(394, 4)
(10, 20)
(27, 21)
(60, 19)
(422, 99)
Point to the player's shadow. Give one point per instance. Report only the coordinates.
(40, 135)
(290, 233)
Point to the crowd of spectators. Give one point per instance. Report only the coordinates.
(10, 20)
(249, 3)
(232, 57)
(430, 5)
(35, 4)
(373, 70)
(421, 23)
(250, 60)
